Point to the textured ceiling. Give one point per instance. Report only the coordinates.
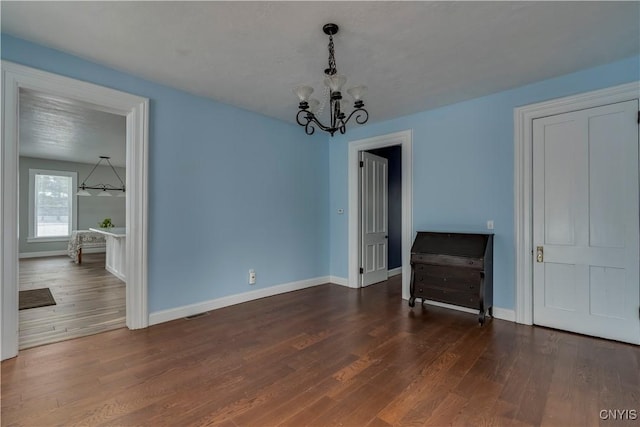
(61, 129)
(412, 55)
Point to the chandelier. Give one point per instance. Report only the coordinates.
(310, 108)
(106, 188)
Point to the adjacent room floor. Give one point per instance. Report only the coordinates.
(324, 356)
(88, 298)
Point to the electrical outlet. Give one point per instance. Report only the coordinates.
(490, 224)
(252, 277)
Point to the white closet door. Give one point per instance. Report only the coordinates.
(586, 216)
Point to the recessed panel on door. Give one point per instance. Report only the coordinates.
(560, 286)
(606, 190)
(560, 195)
(608, 291)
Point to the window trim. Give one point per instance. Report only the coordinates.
(31, 237)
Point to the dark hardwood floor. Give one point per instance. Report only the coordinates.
(324, 356)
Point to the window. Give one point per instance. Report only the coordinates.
(52, 205)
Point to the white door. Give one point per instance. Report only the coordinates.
(585, 222)
(373, 218)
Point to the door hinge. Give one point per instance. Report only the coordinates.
(361, 164)
(638, 117)
(361, 270)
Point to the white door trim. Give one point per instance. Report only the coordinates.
(136, 110)
(405, 140)
(523, 178)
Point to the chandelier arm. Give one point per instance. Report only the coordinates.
(90, 173)
(334, 114)
(359, 113)
(343, 125)
(114, 171)
(305, 115)
(310, 121)
(103, 187)
(309, 128)
(317, 122)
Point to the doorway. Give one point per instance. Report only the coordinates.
(404, 140)
(388, 218)
(63, 143)
(16, 77)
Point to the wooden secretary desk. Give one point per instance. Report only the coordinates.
(453, 268)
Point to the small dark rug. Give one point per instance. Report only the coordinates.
(35, 298)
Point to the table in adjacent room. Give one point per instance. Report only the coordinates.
(116, 263)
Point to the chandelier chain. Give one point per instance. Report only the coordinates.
(332, 58)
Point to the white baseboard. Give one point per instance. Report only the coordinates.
(394, 272)
(498, 313)
(200, 307)
(116, 273)
(504, 314)
(58, 253)
(41, 254)
(191, 309)
(339, 281)
(345, 282)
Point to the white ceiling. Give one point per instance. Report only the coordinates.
(62, 129)
(413, 56)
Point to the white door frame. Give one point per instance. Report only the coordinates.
(405, 140)
(523, 178)
(136, 110)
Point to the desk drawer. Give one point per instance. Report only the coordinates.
(448, 260)
(462, 279)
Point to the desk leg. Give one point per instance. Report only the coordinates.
(412, 298)
(80, 256)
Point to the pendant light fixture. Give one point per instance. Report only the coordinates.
(310, 108)
(106, 188)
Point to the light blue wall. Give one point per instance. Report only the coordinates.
(232, 190)
(229, 190)
(463, 165)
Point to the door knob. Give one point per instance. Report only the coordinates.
(539, 254)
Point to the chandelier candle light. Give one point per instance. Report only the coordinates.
(82, 189)
(333, 81)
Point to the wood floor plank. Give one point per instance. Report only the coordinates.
(89, 299)
(312, 414)
(323, 356)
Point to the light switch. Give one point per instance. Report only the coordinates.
(490, 224)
